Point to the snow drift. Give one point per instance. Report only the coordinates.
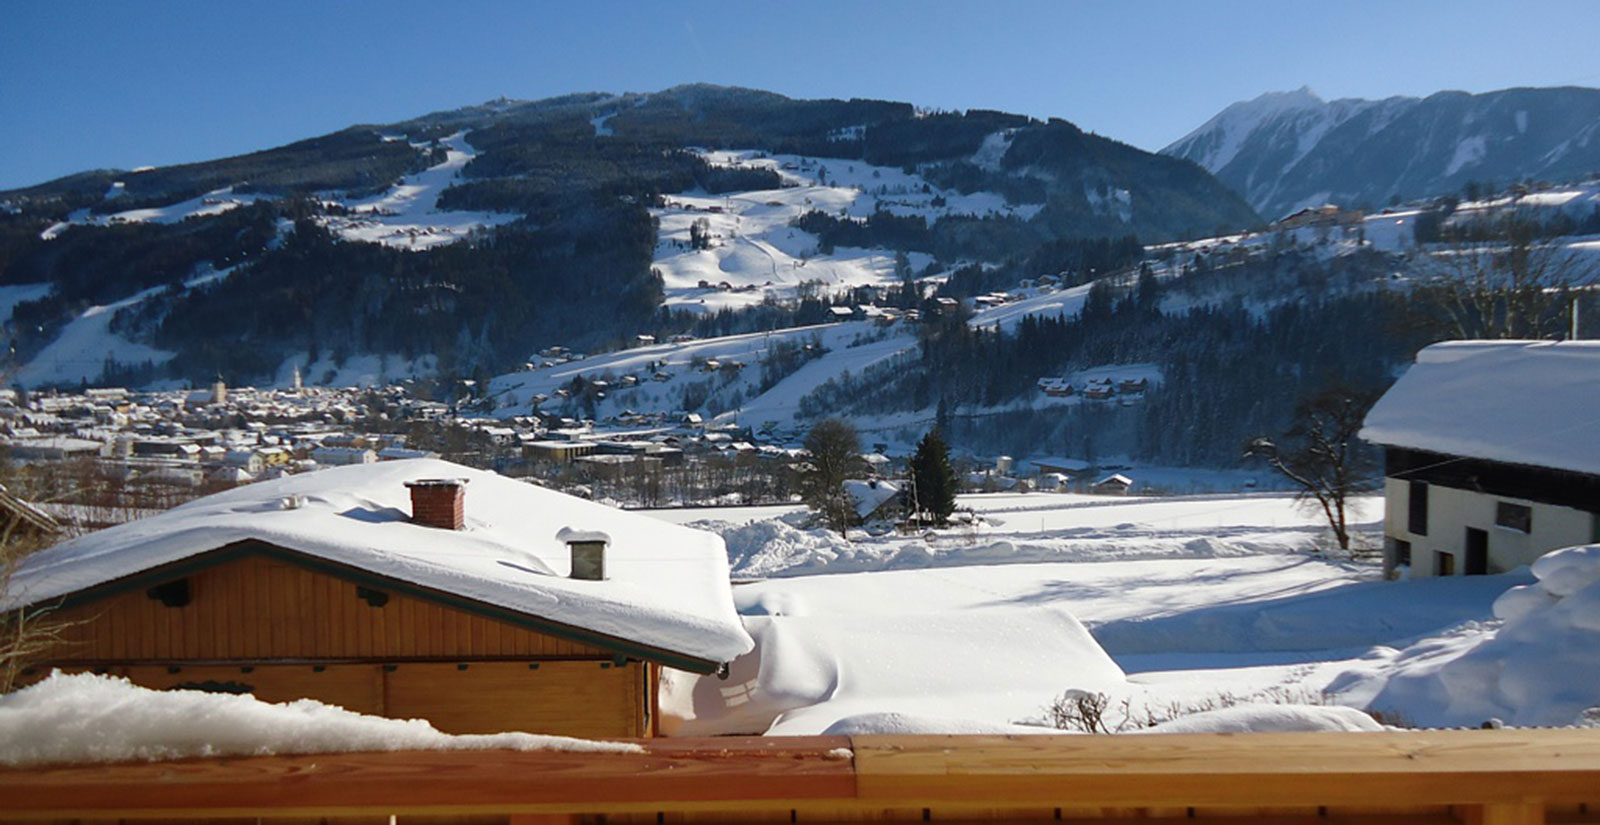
(809, 672)
(90, 718)
(1542, 667)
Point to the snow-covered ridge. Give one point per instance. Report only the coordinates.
(1225, 133)
(214, 202)
(1287, 150)
(405, 216)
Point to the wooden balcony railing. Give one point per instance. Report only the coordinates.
(1500, 777)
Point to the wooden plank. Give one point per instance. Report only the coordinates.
(344, 607)
(1424, 768)
(1505, 813)
(1493, 777)
(1573, 812)
(193, 633)
(763, 773)
(1274, 812)
(565, 698)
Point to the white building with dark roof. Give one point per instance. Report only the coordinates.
(1491, 455)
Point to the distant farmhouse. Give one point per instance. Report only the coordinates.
(409, 589)
(1491, 455)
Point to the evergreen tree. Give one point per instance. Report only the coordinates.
(933, 480)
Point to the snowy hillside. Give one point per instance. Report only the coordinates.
(755, 253)
(1288, 150)
(405, 216)
(724, 376)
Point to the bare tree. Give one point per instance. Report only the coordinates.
(1515, 287)
(835, 455)
(1321, 454)
(25, 632)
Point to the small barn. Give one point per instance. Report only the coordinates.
(1491, 455)
(1115, 484)
(875, 499)
(414, 588)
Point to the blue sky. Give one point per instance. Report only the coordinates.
(124, 84)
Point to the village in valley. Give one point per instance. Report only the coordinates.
(714, 455)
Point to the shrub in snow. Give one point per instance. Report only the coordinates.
(1279, 708)
(90, 718)
(1542, 667)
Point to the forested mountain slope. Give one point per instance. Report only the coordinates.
(459, 242)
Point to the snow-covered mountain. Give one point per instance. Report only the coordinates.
(1287, 150)
(461, 241)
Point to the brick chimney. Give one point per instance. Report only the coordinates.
(439, 502)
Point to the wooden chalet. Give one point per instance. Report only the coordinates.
(468, 609)
(1099, 389)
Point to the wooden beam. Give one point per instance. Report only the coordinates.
(1508, 813)
(750, 772)
(1283, 769)
(1486, 777)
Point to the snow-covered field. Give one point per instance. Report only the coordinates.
(1168, 606)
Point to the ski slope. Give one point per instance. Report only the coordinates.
(754, 253)
(407, 215)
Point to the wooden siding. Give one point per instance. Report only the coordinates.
(256, 609)
(592, 699)
(281, 631)
(589, 699)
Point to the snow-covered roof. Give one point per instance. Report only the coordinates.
(666, 587)
(869, 495)
(1521, 402)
